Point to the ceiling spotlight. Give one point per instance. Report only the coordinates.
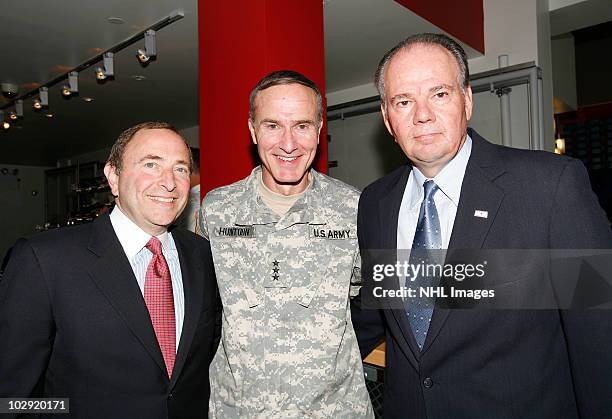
(104, 70)
(43, 94)
(73, 84)
(107, 70)
(88, 99)
(9, 90)
(18, 112)
(19, 108)
(42, 99)
(5, 124)
(150, 50)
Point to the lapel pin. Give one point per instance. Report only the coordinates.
(481, 214)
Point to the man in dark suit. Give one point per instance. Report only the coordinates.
(461, 192)
(121, 316)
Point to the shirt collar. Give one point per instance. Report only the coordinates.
(449, 180)
(132, 237)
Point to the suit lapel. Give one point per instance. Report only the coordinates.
(193, 284)
(389, 208)
(478, 193)
(114, 277)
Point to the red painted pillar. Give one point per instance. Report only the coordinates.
(241, 41)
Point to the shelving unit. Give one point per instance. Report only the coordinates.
(75, 194)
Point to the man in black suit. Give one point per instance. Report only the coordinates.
(461, 192)
(121, 315)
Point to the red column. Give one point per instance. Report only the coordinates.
(241, 41)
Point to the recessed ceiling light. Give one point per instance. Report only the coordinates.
(138, 77)
(49, 115)
(115, 20)
(88, 99)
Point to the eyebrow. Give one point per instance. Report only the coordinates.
(150, 157)
(433, 89)
(297, 122)
(274, 121)
(441, 87)
(401, 96)
(156, 157)
(303, 121)
(182, 162)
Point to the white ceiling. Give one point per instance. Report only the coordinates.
(578, 15)
(359, 32)
(42, 39)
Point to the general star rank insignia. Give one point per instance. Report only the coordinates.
(275, 269)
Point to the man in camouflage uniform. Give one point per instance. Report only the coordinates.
(284, 244)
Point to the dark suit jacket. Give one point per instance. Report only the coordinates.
(73, 323)
(496, 363)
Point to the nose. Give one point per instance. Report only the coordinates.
(288, 142)
(423, 112)
(167, 180)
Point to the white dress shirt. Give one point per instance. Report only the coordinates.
(449, 182)
(133, 240)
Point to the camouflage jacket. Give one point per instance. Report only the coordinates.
(288, 349)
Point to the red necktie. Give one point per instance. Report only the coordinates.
(160, 302)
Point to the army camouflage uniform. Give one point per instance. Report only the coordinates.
(288, 349)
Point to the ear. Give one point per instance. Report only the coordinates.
(113, 179)
(468, 102)
(252, 130)
(319, 132)
(386, 120)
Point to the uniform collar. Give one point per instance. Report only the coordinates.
(255, 211)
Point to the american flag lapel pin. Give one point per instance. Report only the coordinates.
(481, 214)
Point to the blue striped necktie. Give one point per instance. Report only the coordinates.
(427, 236)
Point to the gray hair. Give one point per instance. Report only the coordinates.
(284, 77)
(441, 40)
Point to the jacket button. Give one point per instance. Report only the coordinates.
(428, 382)
(170, 396)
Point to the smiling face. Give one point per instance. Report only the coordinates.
(152, 186)
(426, 109)
(286, 131)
